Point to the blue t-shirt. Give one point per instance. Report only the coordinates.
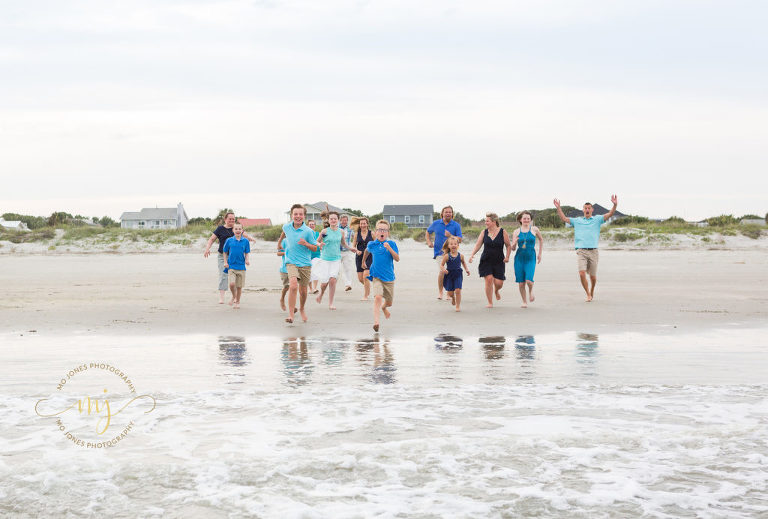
(586, 231)
(296, 254)
(438, 227)
(282, 267)
(383, 266)
(237, 249)
(332, 248)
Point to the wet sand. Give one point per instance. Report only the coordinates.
(171, 293)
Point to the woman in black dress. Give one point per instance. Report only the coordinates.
(364, 235)
(493, 240)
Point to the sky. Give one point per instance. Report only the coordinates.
(496, 106)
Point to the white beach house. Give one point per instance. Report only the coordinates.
(155, 218)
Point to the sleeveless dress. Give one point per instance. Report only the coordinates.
(361, 243)
(455, 276)
(525, 257)
(327, 266)
(492, 259)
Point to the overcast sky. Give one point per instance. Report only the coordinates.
(108, 107)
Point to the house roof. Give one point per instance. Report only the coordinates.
(409, 209)
(319, 207)
(153, 213)
(597, 211)
(12, 224)
(251, 222)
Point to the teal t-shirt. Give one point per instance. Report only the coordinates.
(587, 231)
(282, 267)
(332, 249)
(296, 254)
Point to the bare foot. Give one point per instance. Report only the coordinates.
(236, 305)
(282, 305)
(363, 299)
(498, 296)
(489, 305)
(589, 299)
(231, 301)
(221, 301)
(319, 298)
(303, 315)
(531, 298)
(375, 327)
(453, 299)
(386, 313)
(331, 307)
(348, 288)
(458, 309)
(440, 296)
(524, 305)
(288, 320)
(315, 291)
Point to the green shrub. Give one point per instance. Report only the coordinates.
(752, 231)
(272, 233)
(79, 233)
(722, 220)
(625, 236)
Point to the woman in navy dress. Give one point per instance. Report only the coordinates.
(492, 262)
(450, 266)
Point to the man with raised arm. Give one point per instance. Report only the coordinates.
(586, 237)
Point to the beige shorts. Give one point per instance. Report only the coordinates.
(302, 274)
(237, 277)
(384, 288)
(284, 279)
(587, 260)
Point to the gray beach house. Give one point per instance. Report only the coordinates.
(157, 218)
(414, 216)
(314, 210)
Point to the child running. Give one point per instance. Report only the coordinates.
(236, 257)
(333, 240)
(384, 253)
(451, 265)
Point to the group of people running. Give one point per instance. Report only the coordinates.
(312, 260)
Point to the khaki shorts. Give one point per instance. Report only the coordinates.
(587, 261)
(385, 289)
(284, 279)
(237, 277)
(302, 274)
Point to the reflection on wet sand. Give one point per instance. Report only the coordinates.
(333, 351)
(587, 353)
(493, 347)
(377, 360)
(233, 353)
(448, 343)
(525, 347)
(297, 364)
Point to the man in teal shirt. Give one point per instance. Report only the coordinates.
(586, 234)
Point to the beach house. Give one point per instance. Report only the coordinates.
(253, 222)
(413, 216)
(155, 218)
(13, 225)
(314, 210)
(597, 210)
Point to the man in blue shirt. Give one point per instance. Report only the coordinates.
(443, 229)
(236, 251)
(384, 253)
(299, 244)
(586, 233)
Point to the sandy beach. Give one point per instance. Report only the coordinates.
(175, 292)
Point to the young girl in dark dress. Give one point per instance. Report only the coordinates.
(492, 262)
(364, 236)
(451, 265)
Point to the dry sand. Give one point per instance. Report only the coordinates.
(175, 293)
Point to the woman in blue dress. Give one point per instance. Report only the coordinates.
(526, 258)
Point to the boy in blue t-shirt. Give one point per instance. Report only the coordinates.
(236, 257)
(384, 253)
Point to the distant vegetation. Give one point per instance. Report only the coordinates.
(75, 229)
